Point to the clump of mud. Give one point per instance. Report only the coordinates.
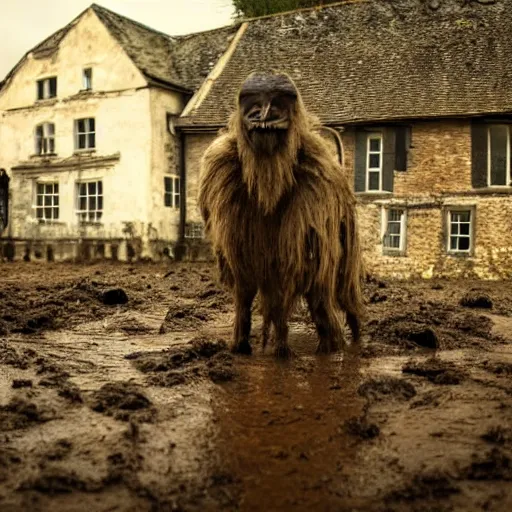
(184, 316)
(382, 388)
(493, 465)
(124, 401)
(476, 300)
(433, 487)
(360, 427)
(435, 370)
(21, 413)
(181, 364)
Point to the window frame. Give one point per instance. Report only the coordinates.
(489, 157)
(45, 137)
(448, 210)
(87, 134)
(79, 212)
(174, 193)
(46, 88)
(394, 251)
(55, 205)
(374, 136)
(194, 231)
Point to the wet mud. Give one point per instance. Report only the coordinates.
(118, 392)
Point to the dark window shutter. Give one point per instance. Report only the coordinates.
(388, 158)
(479, 155)
(360, 161)
(498, 147)
(401, 147)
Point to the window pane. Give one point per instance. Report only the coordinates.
(39, 200)
(81, 125)
(394, 228)
(464, 216)
(168, 185)
(464, 229)
(47, 213)
(92, 127)
(92, 140)
(40, 188)
(99, 215)
(83, 189)
(47, 200)
(56, 188)
(373, 181)
(395, 242)
(167, 199)
(464, 244)
(91, 188)
(374, 161)
(83, 203)
(374, 144)
(100, 187)
(50, 128)
(92, 203)
(395, 215)
(55, 200)
(453, 243)
(53, 87)
(81, 142)
(48, 188)
(55, 213)
(51, 145)
(176, 200)
(100, 203)
(39, 130)
(455, 229)
(39, 213)
(40, 89)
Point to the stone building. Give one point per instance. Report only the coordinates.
(87, 137)
(419, 91)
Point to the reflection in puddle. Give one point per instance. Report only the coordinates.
(281, 427)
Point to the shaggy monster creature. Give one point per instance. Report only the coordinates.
(280, 214)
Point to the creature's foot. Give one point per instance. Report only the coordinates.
(283, 352)
(329, 346)
(242, 347)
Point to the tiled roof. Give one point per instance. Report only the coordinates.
(180, 61)
(372, 60)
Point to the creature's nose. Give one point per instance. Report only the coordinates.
(260, 113)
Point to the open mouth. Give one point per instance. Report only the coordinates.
(263, 126)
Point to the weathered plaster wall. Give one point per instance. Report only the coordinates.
(120, 103)
(164, 162)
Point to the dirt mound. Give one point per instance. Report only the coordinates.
(436, 371)
(476, 300)
(124, 401)
(386, 387)
(184, 316)
(21, 413)
(113, 297)
(360, 427)
(182, 364)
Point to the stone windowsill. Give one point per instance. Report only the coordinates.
(47, 101)
(84, 152)
(48, 156)
(374, 196)
(394, 253)
(43, 222)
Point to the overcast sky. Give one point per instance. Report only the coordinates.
(25, 23)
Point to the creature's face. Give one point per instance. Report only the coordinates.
(267, 104)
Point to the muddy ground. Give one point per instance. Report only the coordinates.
(117, 393)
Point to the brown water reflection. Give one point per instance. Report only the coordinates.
(281, 428)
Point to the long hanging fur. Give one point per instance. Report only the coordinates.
(283, 225)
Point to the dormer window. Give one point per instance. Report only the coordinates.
(45, 139)
(87, 79)
(47, 88)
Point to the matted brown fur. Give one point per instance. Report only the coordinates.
(284, 225)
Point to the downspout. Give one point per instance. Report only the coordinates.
(183, 194)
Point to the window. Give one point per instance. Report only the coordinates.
(374, 162)
(394, 222)
(498, 155)
(45, 139)
(90, 201)
(47, 201)
(87, 79)
(85, 133)
(47, 88)
(194, 230)
(460, 231)
(172, 191)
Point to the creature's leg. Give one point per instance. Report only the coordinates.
(327, 323)
(279, 317)
(355, 326)
(243, 302)
(267, 323)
